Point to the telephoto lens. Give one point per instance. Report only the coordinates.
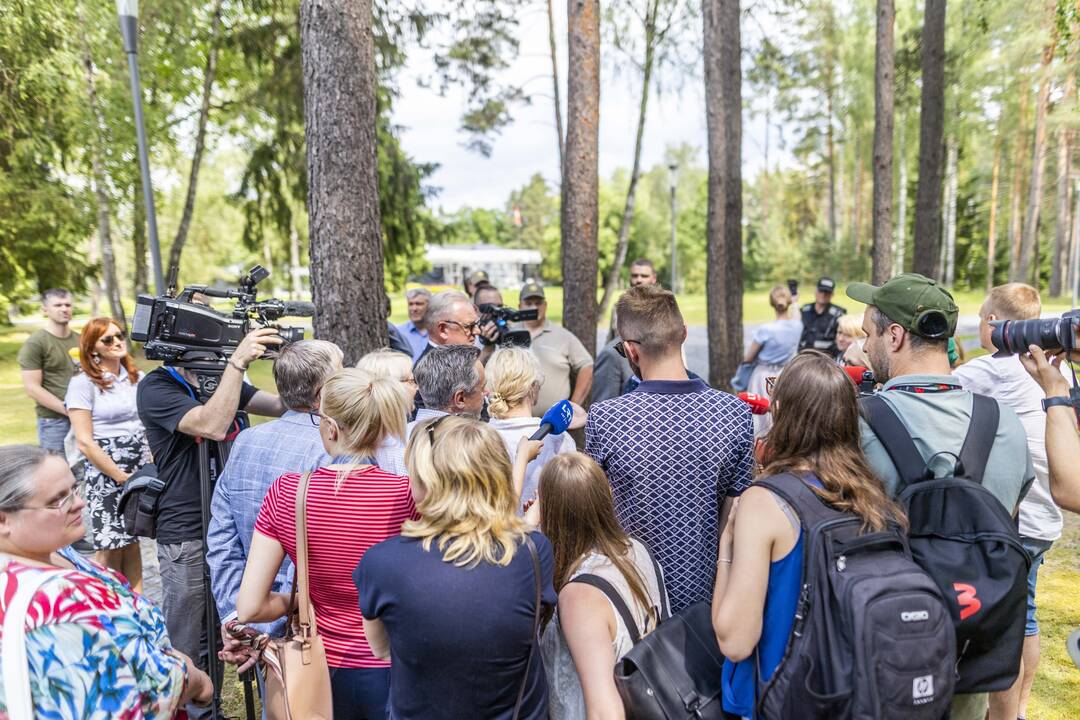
(1013, 337)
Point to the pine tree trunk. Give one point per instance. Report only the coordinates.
(138, 240)
(581, 183)
(294, 264)
(635, 172)
(1017, 191)
(108, 260)
(343, 194)
(949, 275)
(830, 148)
(884, 76)
(1025, 266)
(931, 129)
(1061, 226)
(902, 199)
(554, 49)
(209, 75)
(1074, 243)
(991, 233)
(723, 112)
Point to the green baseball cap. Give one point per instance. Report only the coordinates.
(914, 301)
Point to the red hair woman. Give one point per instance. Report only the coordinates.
(101, 405)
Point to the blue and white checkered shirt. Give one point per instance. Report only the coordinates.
(260, 455)
(672, 451)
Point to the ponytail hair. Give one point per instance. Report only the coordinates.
(513, 375)
(780, 298)
(367, 409)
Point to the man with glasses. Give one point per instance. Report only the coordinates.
(47, 365)
(612, 373)
(451, 319)
(259, 456)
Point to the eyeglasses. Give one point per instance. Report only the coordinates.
(431, 429)
(63, 504)
(316, 417)
(469, 328)
(110, 340)
(620, 346)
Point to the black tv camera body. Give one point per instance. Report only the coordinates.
(502, 316)
(183, 332)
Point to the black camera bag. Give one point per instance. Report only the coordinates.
(967, 542)
(139, 500)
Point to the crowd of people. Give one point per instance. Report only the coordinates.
(457, 566)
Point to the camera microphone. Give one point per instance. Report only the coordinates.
(555, 421)
(759, 404)
(298, 308)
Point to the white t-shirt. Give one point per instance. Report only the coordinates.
(1005, 380)
(113, 411)
(513, 429)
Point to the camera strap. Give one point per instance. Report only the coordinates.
(180, 379)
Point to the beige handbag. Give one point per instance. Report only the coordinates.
(296, 678)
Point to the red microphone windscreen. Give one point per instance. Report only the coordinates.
(855, 372)
(759, 404)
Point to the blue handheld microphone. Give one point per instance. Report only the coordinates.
(555, 420)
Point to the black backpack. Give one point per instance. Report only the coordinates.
(968, 542)
(871, 638)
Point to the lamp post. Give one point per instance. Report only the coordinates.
(672, 170)
(128, 10)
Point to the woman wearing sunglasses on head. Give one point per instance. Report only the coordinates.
(351, 505)
(93, 648)
(101, 405)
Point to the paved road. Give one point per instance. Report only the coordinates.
(697, 345)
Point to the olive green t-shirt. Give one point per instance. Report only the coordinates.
(45, 352)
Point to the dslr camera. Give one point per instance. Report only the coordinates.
(502, 316)
(184, 332)
(1013, 337)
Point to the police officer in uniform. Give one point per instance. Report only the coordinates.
(820, 319)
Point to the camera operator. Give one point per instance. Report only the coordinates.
(1062, 436)
(176, 422)
(487, 330)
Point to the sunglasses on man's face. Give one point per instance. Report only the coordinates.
(620, 347)
(110, 340)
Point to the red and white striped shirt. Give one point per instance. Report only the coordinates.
(369, 507)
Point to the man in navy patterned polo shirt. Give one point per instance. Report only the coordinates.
(675, 450)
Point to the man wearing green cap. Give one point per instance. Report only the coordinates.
(908, 323)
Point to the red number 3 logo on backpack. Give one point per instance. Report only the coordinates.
(965, 597)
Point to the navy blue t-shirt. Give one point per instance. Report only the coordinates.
(459, 636)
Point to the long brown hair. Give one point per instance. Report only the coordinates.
(816, 429)
(90, 335)
(578, 517)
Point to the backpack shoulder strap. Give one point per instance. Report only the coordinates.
(975, 453)
(616, 599)
(810, 508)
(895, 438)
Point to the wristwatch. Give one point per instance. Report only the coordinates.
(1050, 402)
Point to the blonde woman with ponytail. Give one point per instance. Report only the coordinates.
(452, 599)
(352, 504)
(514, 378)
(774, 344)
(815, 436)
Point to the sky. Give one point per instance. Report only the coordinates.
(466, 178)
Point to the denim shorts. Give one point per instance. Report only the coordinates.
(1037, 549)
(51, 434)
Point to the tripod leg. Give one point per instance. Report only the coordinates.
(207, 476)
(249, 696)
